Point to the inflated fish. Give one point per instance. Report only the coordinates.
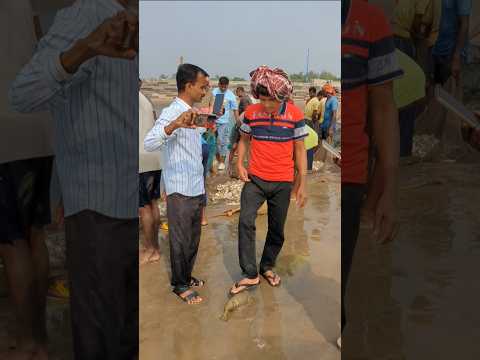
(244, 298)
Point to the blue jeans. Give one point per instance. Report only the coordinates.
(310, 154)
(223, 140)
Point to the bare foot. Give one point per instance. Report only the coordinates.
(193, 301)
(272, 278)
(148, 256)
(244, 284)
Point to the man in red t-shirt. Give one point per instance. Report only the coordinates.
(276, 130)
(369, 66)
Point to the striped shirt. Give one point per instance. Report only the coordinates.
(368, 59)
(182, 169)
(273, 136)
(95, 114)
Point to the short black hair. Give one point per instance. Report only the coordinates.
(187, 73)
(262, 91)
(223, 80)
(312, 89)
(321, 93)
(240, 88)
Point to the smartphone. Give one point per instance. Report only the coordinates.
(217, 105)
(205, 120)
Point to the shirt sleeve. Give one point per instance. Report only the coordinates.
(300, 131)
(233, 102)
(464, 7)
(156, 138)
(245, 127)
(382, 62)
(42, 83)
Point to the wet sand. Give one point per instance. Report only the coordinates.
(298, 320)
(417, 298)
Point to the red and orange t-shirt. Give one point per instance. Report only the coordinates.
(272, 141)
(368, 59)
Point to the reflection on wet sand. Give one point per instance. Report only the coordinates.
(300, 319)
(423, 289)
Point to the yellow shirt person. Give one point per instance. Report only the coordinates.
(426, 12)
(311, 107)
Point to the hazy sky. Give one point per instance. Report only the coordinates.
(233, 37)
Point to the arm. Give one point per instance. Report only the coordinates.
(384, 117)
(300, 156)
(242, 150)
(62, 59)
(164, 129)
(464, 22)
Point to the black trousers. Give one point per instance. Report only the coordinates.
(254, 194)
(352, 197)
(184, 230)
(102, 263)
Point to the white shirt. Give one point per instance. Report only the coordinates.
(95, 114)
(147, 161)
(182, 169)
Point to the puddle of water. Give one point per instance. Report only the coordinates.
(300, 319)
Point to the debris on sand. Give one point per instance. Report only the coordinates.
(318, 165)
(423, 145)
(235, 302)
(230, 191)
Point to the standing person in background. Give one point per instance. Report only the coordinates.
(312, 92)
(367, 91)
(322, 97)
(270, 175)
(76, 74)
(26, 160)
(149, 184)
(244, 102)
(449, 51)
(227, 117)
(330, 113)
(312, 107)
(180, 140)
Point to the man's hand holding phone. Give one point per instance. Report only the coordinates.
(186, 121)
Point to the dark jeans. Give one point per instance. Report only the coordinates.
(184, 230)
(102, 263)
(406, 120)
(254, 194)
(352, 196)
(310, 154)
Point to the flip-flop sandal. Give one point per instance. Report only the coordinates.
(196, 282)
(244, 286)
(58, 289)
(187, 298)
(271, 278)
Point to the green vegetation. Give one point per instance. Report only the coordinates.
(325, 75)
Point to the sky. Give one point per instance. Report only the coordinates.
(234, 37)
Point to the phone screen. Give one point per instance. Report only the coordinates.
(217, 105)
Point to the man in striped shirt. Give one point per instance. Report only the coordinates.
(86, 73)
(276, 131)
(180, 141)
(369, 66)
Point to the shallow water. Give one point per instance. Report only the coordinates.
(423, 289)
(300, 319)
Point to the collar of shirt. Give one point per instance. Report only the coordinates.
(182, 103)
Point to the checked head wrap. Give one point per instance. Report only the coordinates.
(276, 81)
